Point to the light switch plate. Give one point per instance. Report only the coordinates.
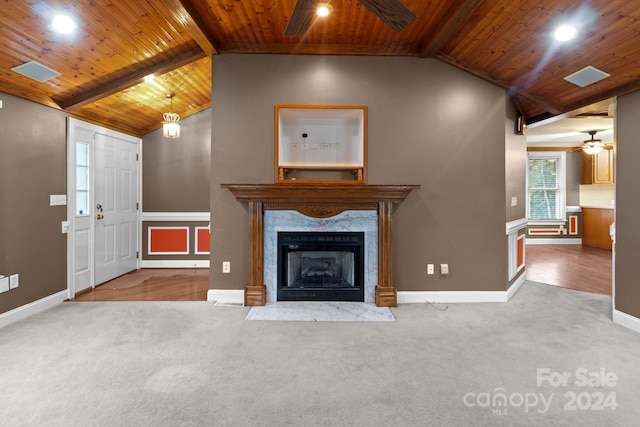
(57, 200)
(514, 201)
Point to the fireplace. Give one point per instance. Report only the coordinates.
(320, 266)
(319, 200)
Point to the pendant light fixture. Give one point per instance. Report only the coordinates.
(170, 126)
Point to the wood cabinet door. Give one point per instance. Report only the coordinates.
(597, 168)
(595, 227)
(603, 167)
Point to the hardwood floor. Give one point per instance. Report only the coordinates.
(570, 266)
(184, 284)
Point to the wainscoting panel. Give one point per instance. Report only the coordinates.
(175, 239)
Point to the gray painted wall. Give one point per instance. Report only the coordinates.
(33, 165)
(573, 176)
(627, 247)
(175, 172)
(429, 124)
(515, 167)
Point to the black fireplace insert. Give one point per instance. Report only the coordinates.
(321, 266)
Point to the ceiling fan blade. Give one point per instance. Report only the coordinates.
(392, 12)
(301, 17)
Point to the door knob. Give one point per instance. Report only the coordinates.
(100, 216)
(99, 207)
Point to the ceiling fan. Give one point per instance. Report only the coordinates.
(593, 145)
(392, 12)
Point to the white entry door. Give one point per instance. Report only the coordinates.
(115, 198)
(103, 191)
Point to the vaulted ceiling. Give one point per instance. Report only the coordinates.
(103, 64)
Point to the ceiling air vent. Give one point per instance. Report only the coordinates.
(586, 76)
(36, 71)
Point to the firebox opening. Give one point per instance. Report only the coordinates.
(320, 266)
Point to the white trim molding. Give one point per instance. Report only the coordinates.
(516, 225)
(32, 308)
(626, 320)
(227, 296)
(513, 227)
(176, 216)
(573, 209)
(168, 263)
(454, 297)
(570, 241)
(236, 296)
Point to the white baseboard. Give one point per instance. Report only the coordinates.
(451, 297)
(626, 320)
(454, 297)
(576, 241)
(229, 296)
(236, 296)
(517, 284)
(193, 263)
(32, 308)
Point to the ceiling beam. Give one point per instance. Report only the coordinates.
(187, 15)
(455, 17)
(534, 99)
(317, 49)
(120, 84)
(623, 89)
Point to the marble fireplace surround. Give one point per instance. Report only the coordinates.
(318, 201)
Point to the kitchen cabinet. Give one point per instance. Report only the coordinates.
(597, 168)
(596, 224)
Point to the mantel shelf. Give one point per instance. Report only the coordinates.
(326, 193)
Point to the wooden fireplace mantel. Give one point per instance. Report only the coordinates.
(319, 201)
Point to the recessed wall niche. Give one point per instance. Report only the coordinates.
(320, 143)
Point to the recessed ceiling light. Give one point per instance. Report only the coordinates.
(565, 33)
(323, 9)
(63, 24)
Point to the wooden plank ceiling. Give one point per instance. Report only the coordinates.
(118, 42)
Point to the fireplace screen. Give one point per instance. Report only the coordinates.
(316, 266)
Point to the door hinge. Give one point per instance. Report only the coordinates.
(137, 254)
(137, 157)
(137, 206)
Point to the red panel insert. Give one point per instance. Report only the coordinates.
(203, 240)
(520, 252)
(573, 225)
(168, 240)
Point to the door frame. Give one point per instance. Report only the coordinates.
(71, 199)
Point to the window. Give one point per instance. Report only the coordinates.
(546, 195)
(82, 178)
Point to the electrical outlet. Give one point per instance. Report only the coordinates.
(430, 269)
(226, 267)
(4, 284)
(14, 281)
